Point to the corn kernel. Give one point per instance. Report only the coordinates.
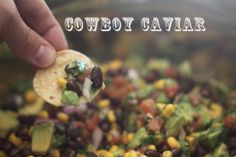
(114, 148)
(101, 152)
(61, 82)
(111, 116)
(43, 114)
(216, 110)
(115, 64)
(2, 154)
(160, 84)
(130, 136)
(168, 110)
(30, 156)
(131, 153)
(189, 139)
(108, 154)
(30, 96)
(55, 153)
(161, 106)
(110, 137)
(62, 117)
(167, 153)
(152, 147)
(15, 140)
(173, 143)
(104, 103)
(80, 155)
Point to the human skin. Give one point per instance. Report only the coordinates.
(31, 31)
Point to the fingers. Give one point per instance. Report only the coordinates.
(38, 16)
(23, 41)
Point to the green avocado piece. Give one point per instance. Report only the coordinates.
(221, 151)
(136, 140)
(182, 116)
(211, 137)
(69, 98)
(42, 136)
(204, 115)
(7, 122)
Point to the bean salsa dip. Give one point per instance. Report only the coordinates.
(153, 109)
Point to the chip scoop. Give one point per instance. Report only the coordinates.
(45, 80)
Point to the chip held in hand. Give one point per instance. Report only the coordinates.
(71, 80)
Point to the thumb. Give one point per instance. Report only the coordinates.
(25, 42)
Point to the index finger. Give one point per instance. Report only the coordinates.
(38, 16)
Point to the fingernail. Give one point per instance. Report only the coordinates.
(45, 56)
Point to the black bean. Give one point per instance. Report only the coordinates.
(60, 128)
(206, 91)
(69, 153)
(97, 77)
(23, 135)
(72, 85)
(105, 125)
(152, 153)
(91, 154)
(152, 76)
(176, 152)
(26, 152)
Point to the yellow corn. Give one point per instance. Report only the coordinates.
(189, 139)
(80, 155)
(167, 153)
(131, 153)
(30, 156)
(152, 147)
(168, 110)
(43, 114)
(161, 106)
(115, 64)
(101, 152)
(111, 116)
(104, 103)
(110, 137)
(2, 154)
(216, 110)
(62, 117)
(30, 96)
(55, 153)
(114, 148)
(160, 84)
(61, 82)
(173, 143)
(108, 154)
(15, 140)
(130, 136)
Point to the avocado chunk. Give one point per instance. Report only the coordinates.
(7, 122)
(136, 140)
(42, 136)
(211, 137)
(221, 151)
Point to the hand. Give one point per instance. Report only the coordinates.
(31, 31)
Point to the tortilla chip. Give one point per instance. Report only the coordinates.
(45, 80)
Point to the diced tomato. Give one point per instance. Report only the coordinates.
(171, 91)
(230, 121)
(155, 124)
(171, 72)
(93, 121)
(147, 106)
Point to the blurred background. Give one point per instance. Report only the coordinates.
(212, 53)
